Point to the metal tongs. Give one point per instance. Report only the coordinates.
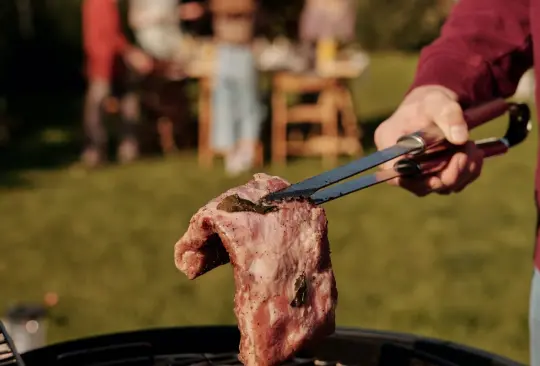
(425, 153)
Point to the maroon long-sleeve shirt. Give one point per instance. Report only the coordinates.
(484, 49)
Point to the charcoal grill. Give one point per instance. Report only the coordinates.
(217, 346)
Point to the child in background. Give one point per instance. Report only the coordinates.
(237, 117)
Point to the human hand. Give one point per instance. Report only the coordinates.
(425, 106)
(139, 61)
(191, 11)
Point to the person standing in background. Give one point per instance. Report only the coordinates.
(237, 114)
(325, 23)
(104, 46)
(157, 25)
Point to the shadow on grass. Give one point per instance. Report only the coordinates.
(43, 135)
(13, 180)
(47, 135)
(31, 154)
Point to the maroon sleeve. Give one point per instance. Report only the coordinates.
(484, 49)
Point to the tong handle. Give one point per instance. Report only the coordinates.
(436, 159)
(432, 136)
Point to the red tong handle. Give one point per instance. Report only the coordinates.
(436, 158)
(483, 113)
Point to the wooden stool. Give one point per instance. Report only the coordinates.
(333, 99)
(206, 154)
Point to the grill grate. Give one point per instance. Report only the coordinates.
(8, 354)
(231, 359)
(400, 356)
(217, 346)
(141, 354)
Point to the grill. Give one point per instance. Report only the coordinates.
(217, 346)
(8, 353)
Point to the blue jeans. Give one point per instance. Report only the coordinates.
(237, 112)
(534, 319)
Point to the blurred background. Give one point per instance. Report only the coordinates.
(116, 126)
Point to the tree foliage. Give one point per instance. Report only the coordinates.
(399, 24)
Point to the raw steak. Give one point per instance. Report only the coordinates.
(285, 288)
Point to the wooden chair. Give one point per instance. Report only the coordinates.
(206, 153)
(334, 99)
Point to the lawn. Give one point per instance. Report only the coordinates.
(455, 267)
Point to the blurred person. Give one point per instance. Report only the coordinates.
(105, 46)
(484, 49)
(196, 18)
(236, 109)
(326, 21)
(157, 25)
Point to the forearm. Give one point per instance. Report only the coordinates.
(483, 50)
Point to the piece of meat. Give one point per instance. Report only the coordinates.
(286, 292)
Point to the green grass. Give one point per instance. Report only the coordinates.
(455, 267)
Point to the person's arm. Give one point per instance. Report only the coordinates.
(122, 44)
(190, 11)
(484, 49)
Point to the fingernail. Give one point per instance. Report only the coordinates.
(459, 133)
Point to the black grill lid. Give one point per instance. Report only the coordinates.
(201, 346)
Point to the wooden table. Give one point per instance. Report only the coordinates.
(334, 100)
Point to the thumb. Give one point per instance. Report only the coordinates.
(448, 116)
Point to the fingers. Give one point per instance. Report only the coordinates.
(462, 169)
(455, 171)
(421, 186)
(191, 11)
(448, 115)
(423, 107)
(387, 135)
(473, 170)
